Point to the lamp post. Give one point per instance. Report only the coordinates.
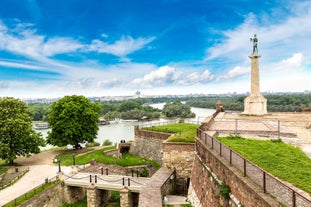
(73, 159)
(59, 170)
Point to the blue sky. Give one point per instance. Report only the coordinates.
(52, 48)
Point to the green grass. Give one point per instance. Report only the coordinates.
(181, 132)
(282, 160)
(85, 158)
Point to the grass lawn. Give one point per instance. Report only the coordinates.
(282, 160)
(100, 157)
(3, 168)
(182, 132)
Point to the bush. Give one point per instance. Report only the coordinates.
(107, 142)
(144, 173)
(92, 144)
(115, 196)
(224, 191)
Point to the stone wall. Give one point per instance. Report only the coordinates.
(179, 156)
(211, 171)
(56, 195)
(159, 185)
(147, 147)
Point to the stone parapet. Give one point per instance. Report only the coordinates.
(160, 184)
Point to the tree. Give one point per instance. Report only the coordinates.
(17, 137)
(74, 120)
(177, 109)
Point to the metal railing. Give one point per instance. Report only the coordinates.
(269, 184)
(20, 174)
(30, 194)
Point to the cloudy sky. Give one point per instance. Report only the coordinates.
(52, 48)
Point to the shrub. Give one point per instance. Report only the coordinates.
(107, 142)
(92, 144)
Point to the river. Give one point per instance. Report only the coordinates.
(125, 130)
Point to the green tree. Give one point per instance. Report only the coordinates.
(129, 105)
(73, 120)
(177, 109)
(40, 111)
(17, 138)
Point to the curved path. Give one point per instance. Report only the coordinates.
(40, 167)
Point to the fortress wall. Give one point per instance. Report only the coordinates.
(179, 156)
(147, 147)
(210, 171)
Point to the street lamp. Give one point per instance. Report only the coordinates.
(58, 160)
(73, 159)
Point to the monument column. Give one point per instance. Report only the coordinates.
(255, 103)
(255, 86)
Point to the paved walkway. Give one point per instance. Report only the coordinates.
(35, 177)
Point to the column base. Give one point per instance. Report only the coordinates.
(255, 105)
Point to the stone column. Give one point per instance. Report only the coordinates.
(255, 87)
(92, 196)
(125, 198)
(255, 103)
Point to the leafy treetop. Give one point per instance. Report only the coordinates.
(17, 137)
(73, 120)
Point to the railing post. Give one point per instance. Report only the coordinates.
(294, 198)
(128, 182)
(90, 178)
(220, 149)
(279, 129)
(102, 170)
(95, 178)
(244, 166)
(236, 127)
(264, 182)
(132, 173)
(123, 182)
(106, 171)
(230, 156)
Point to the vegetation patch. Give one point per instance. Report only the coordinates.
(181, 132)
(126, 160)
(282, 160)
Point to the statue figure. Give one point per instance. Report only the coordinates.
(254, 40)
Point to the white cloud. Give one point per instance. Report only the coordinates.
(19, 65)
(23, 40)
(293, 63)
(196, 77)
(235, 72)
(277, 37)
(162, 76)
(121, 47)
(60, 45)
